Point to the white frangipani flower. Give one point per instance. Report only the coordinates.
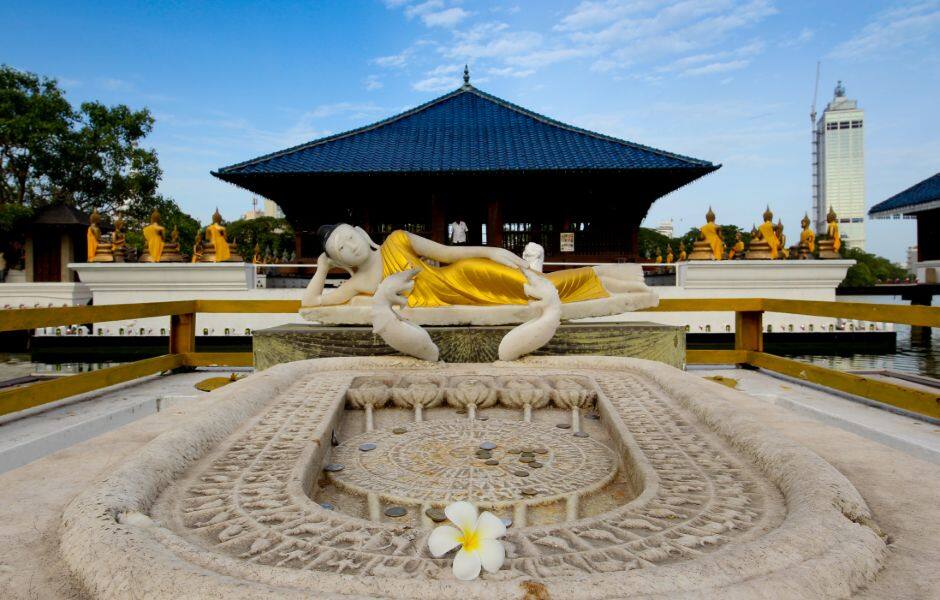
(477, 537)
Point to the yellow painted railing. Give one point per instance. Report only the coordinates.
(748, 346)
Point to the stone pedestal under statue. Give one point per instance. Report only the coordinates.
(652, 341)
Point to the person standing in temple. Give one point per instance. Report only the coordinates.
(458, 233)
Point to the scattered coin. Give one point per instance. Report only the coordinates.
(461, 411)
(367, 447)
(328, 505)
(333, 467)
(399, 430)
(514, 450)
(581, 434)
(541, 450)
(528, 450)
(535, 465)
(563, 425)
(530, 454)
(526, 459)
(492, 462)
(435, 514)
(529, 491)
(521, 473)
(395, 511)
(483, 454)
(593, 416)
(483, 418)
(487, 445)
(507, 521)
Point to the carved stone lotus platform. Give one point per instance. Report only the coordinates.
(621, 477)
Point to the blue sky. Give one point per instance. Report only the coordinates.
(729, 81)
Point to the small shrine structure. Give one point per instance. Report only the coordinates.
(514, 176)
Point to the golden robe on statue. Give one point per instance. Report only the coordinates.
(215, 234)
(769, 235)
(153, 235)
(478, 281)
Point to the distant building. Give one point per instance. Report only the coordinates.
(271, 209)
(839, 168)
(911, 264)
(922, 202)
(666, 228)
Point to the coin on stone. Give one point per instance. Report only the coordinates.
(514, 450)
(492, 462)
(541, 450)
(327, 505)
(535, 465)
(399, 430)
(333, 467)
(528, 450)
(483, 454)
(581, 434)
(367, 447)
(435, 514)
(395, 511)
(521, 473)
(526, 459)
(563, 425)
(529, 491)
(487, 446)
(483, 418)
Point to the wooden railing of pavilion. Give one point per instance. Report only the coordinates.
(748, 347)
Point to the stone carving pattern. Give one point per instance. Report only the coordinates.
(238, 504)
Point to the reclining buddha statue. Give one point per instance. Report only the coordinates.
(434, 284)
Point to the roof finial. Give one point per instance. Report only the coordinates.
(466, 75)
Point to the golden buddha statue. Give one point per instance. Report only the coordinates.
(764, 244)
(829, 247)
(98, 249)
(659, 256)
(737, 251)
(118, 240)
(682, 254)
(256, 257)
(198, 248)
(709, 245)
(153, 239)
(784, 252)
(216, 247)
(171, 250)
(469, 275)
(807, 240)
(670, 257)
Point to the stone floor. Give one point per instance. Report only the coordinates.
(893, 461)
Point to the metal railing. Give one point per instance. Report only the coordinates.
(748, 346)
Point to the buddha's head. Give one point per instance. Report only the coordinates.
(119, 224)
(155, 216)
(831, 217)
(710, 215)
(805, 222)
(95, 218)
(348, 246)
(534, 254)
(780, 225)
(216, 216)
(768, 215)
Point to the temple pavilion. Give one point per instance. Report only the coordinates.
(512, 175)
(922, 202)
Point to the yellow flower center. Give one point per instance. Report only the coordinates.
(470, 540)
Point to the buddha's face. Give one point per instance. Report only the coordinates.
(534, 254)
(347, 246)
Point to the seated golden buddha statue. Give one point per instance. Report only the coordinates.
(216, 247)
(153, 239)
(468, 275)
(256, 257)
(807, 240)
(670, 257)
(829, 246)
(709, 245)
(118, 240)
(784, 252)
(737, 251)
(764, 244)
(659, 256)
(98, 249)
(682, 253)
(171, 250)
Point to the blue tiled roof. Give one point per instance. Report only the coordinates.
(466, 130)
(913, 199)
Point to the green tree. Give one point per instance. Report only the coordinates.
(269, 233)
(869, 269)
(651, 242)
(51, 152)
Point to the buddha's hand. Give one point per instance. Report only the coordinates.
(324, 262)
(505, 257)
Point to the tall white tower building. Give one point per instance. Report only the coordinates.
(839, 168)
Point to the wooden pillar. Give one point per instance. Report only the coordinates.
(749, 331)
(298, 245)
(438, 220)
(494, 223)
(183, 333)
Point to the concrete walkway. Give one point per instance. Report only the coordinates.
(887, 457)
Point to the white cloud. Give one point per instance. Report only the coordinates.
(906, 25)
(445, 18)
(511, 72)
(113, 84)
(438, 79)
(805, 35)
(372, 83)
(394, 60)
